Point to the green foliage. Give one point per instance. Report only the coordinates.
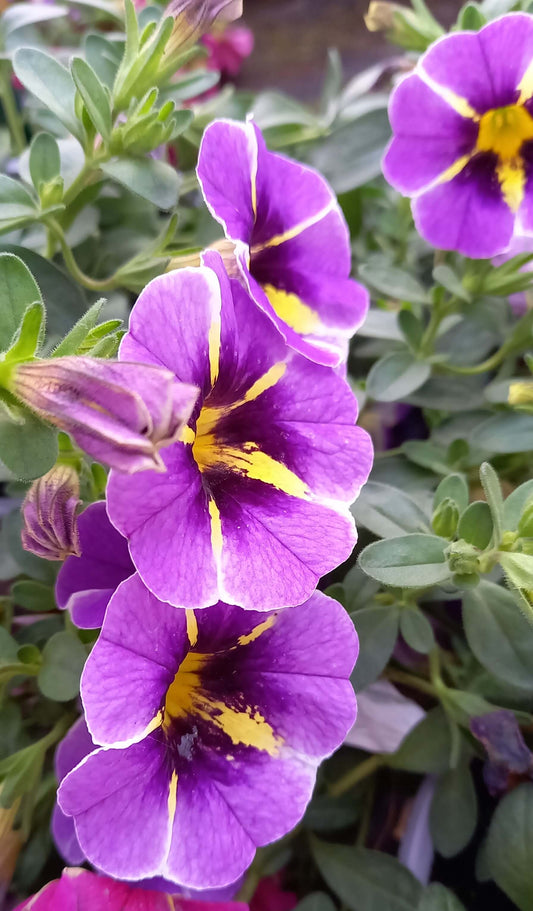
(510, 846)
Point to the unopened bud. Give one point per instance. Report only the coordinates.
(50, 528)
(120, 413)
(463, 558)
(445, 518)
(525, 523)
(521, 393)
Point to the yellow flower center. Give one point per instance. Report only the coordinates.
(504, 131)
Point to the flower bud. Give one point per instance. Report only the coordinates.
(445, 518)
(521, 393)
(50, 527)
(193, 18)
(463, 558)
(120, 413)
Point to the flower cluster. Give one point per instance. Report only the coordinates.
(220, 678)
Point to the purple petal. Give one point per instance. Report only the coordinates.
(416, 847)
(384, 718)
(468, 213)
(85, 583)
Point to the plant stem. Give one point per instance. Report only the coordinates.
(94, 284)
(493, 361)
(16, 129)
(354, 776)
(416, 683)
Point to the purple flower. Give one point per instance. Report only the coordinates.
(384, 718)
(228, 48)
(86, 581)
(291, 241)
(253, 507)
(74, 747)
(49, 515)
(80, 890)
(192, 18)
(121, 414)
(509, 758)
(417, 851)
(463, 138)
(211, 724)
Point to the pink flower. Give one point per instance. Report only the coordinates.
(270, 896)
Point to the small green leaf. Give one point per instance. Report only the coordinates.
(514, 505)
(393, 282)
(154, 180)
(510, 846)
(388, 511)
(79, 332)
(519, 569)
(18, 290)
(95, 96)
(475, 525)
(453, 813)
(427, 748)
(493, 492)
(30, 334)
(499, 636)
(416, 630)
(366, 879)
(439, 898)
(446, 277)
(471, 18)
(63, 660)
(395, 376)
(377, 628)
(412, 561)
(51, 83)
(33, 596)
(45, 162)
(28, 447)
(505, 433)
(455, 487)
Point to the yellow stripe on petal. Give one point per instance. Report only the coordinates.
(154, 724)
(248, 728)
(295, 231)
(257, 630)
(251, 462)
(459, 104)
(269, 379)
(512, 178)
(525, 86)
(216, 530)
(172, 797)
(292, 310)
(454, 169)
(192, 627)
(214, 350)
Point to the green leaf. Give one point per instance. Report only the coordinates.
(453, 814)
(388, 511)
(377, 628)
(462, 705)
(505, 433)
(63, 660)
(427, 748)
(416, 630)
(471, 18)
(395, 376)
(510, 846)
(326, 813)
(393, 282)
(29, 336)
(493, 492)
(366, 879)
(449, 279)
(498, 634)
(20, 773)
(438, 898)
(316, 901)
(28, 447)
(51, 83)
(154, 180)
(475, 525)
(359, 589)
(519, 569)
(18, 290)
(33, 596)
(412, 561)
(65, 301)
(79, 332)
(8, 646)
(455, 487)
(45, 162)
(514, 504)
(95, 96)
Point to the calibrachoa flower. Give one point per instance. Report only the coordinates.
(212, 724)
(253, 507)
(121, 414)
(192, 18)
(291, 240)
(227, 48)
(49, 514)
(80, 890)
(463, 138)
(86, 582)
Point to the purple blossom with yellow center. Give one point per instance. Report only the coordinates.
(122, 414)
(50, 528)
(291, 241)
(463, 138)
(211, 725)
(253, 506)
